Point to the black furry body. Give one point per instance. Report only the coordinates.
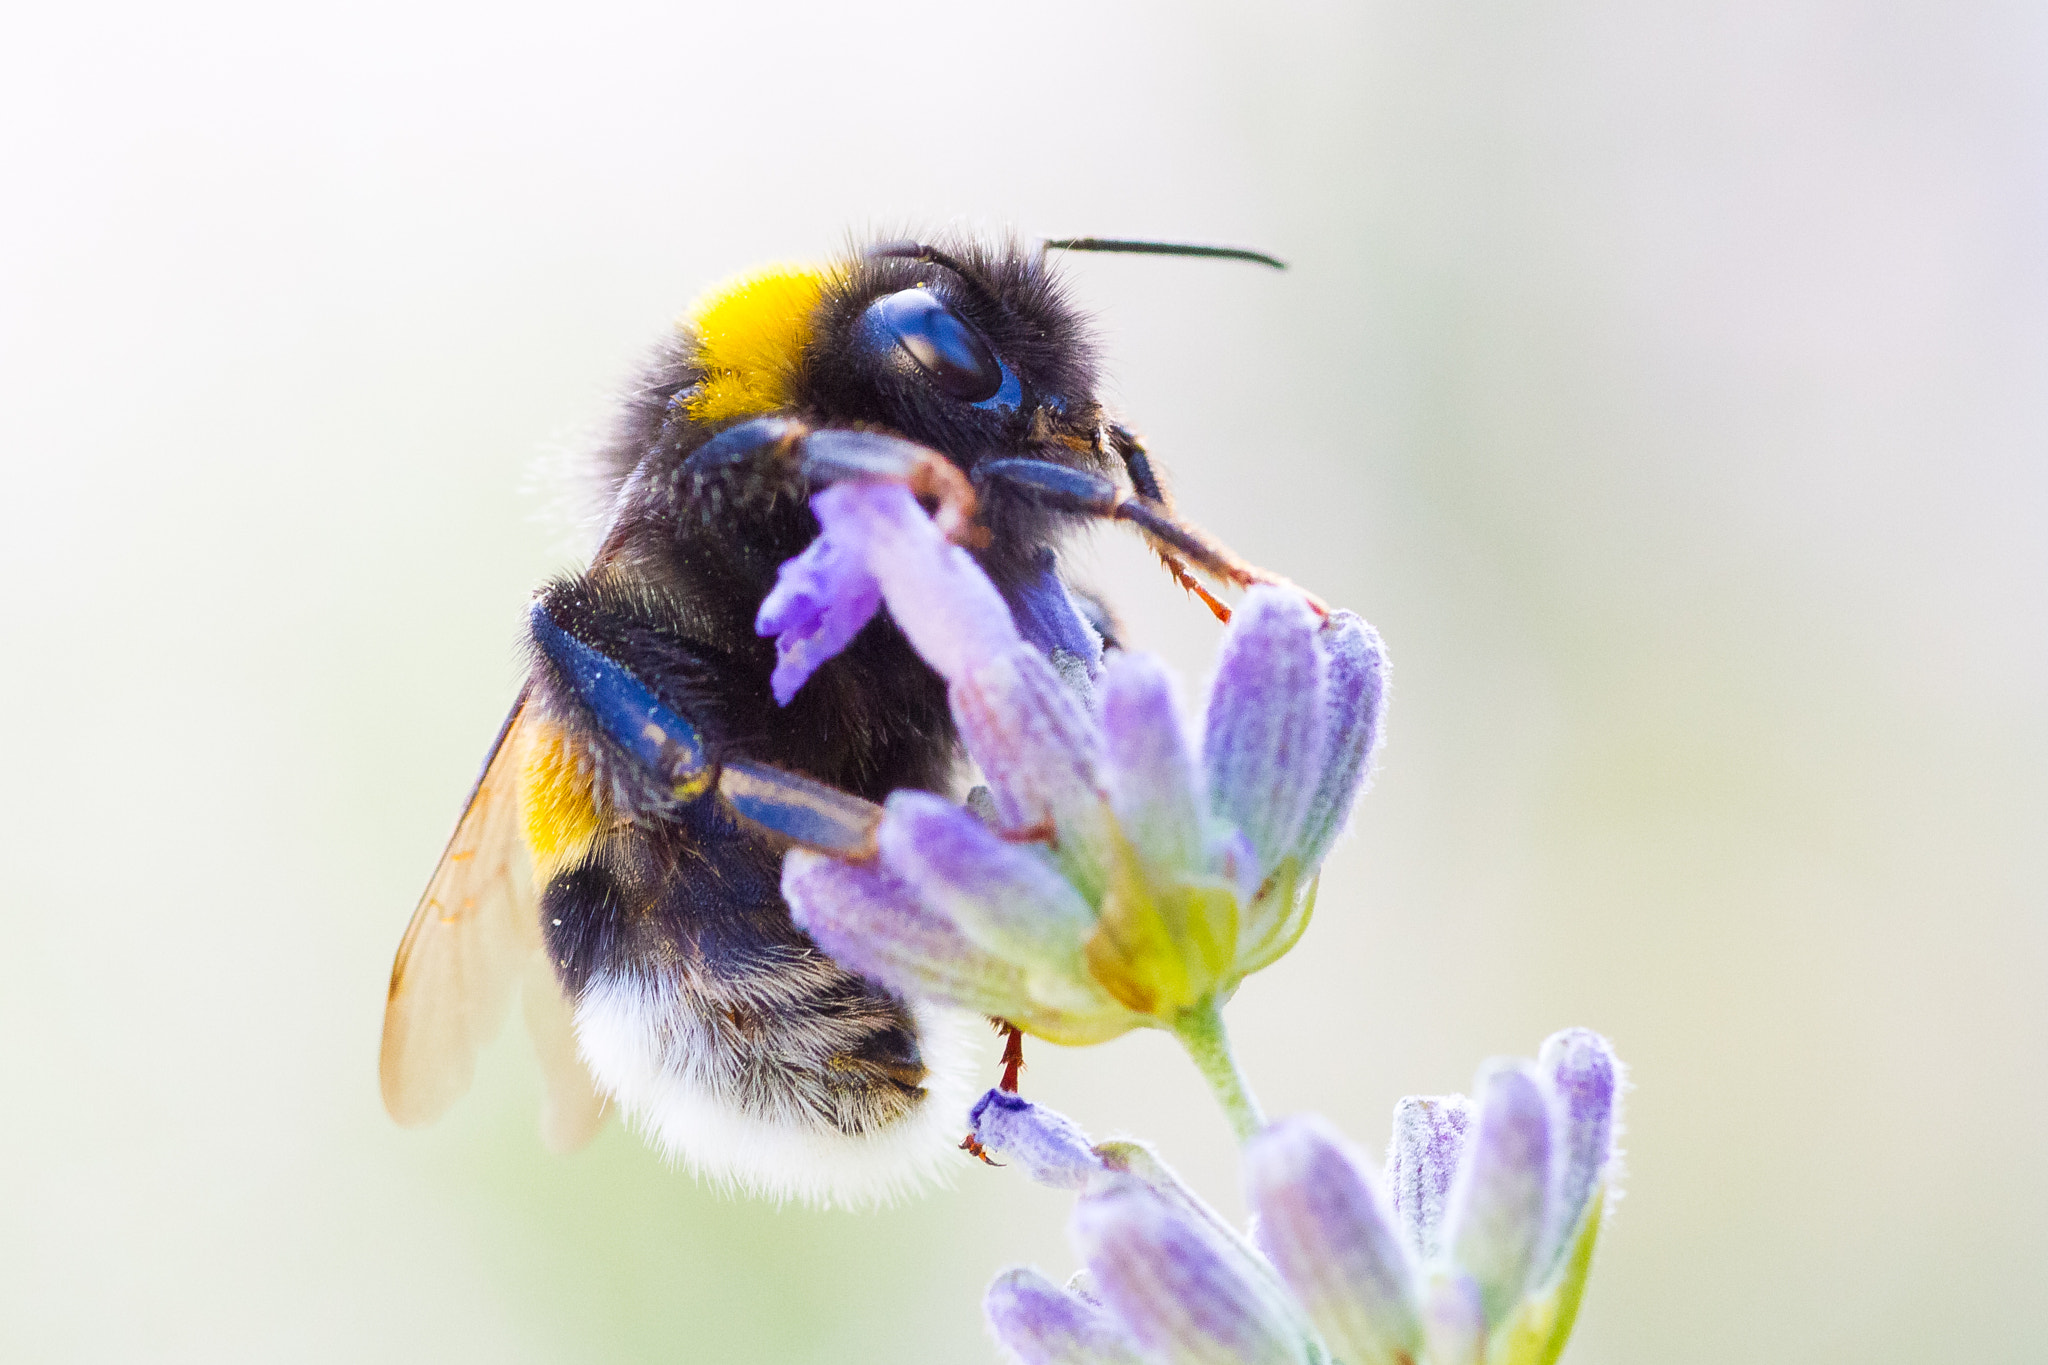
(676, 898)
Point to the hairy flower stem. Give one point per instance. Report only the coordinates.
(1201, 1032)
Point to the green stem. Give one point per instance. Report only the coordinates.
(1201, 1032)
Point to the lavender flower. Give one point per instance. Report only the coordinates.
(1129, 876)
(1472, 1250)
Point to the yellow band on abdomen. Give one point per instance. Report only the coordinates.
(557, 803)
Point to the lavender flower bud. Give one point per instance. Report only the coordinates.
(1500, 1200)
(1006, 898)
(821, 600)
(1463, 1268)
(1154, 775)
(1333, 1240)
(1041, 1324)
(1429, 1137)
(1584, 1078)
(865, 918)
(1354, 698)
(1166, 1276)
(1264, 729)
(1041, 752)
(1043, 1142)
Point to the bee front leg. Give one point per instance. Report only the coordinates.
(1062, 488)
(798, 455)
(1137, 463)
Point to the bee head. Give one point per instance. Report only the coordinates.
(972, 350)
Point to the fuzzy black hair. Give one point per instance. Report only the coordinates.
(1006, 290)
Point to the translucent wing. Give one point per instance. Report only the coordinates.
(572, 1110)
(474, 937)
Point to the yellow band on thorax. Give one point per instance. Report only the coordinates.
(751, 334)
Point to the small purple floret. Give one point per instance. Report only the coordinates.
(1263, 742)
(1042, 1324)
(936, 592)
(1332, 1238)
(1429, 1137)
(1173, 1282)
(1043, 1142)
(1499, 1202)
(821, 600)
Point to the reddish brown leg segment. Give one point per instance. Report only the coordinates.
(1013, 1057)
(1013, 1062)
(1188, 581)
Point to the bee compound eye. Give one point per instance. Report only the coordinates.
(940, 343)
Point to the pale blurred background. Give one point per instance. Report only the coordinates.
(1670, 386)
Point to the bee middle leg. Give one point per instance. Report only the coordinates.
(1013, 1055)
(628, 713)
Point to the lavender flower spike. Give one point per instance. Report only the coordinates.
(1486, 1269)
(1501, 1201)
(1134, 876)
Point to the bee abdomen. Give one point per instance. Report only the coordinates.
(726, 1035)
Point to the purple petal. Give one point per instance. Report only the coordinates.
(820, 601)
(870, 922)
(1007, 898)
(1584, 1079)
(1429, 1137)
(1333, 1240)
(1263, 740)
(1138, 1161)
(1499, 1200)
(1044, 1142)
(1153, 777)
(1041, 1324)
(937, 594)
(1165, 1275)
(1354, 693)
(1045, 615)
(1040, 750)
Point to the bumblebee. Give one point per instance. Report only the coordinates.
(653, 784)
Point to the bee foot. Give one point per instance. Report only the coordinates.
(973, 1148)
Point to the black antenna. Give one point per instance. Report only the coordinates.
(918, 251)
(1228, 253)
